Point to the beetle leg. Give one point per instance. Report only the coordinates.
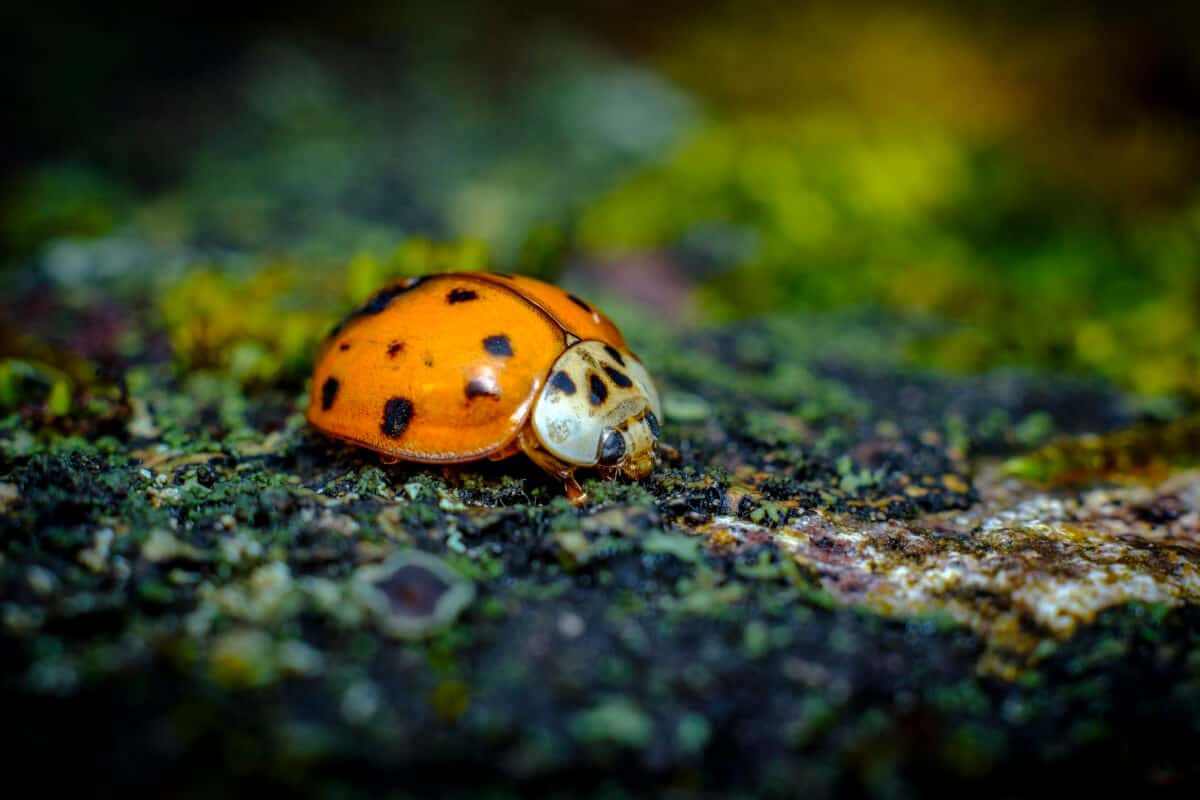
(575, 492)
(559, 469)
(670, 453)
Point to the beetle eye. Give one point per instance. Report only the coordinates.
(613, 448)
(652, 421)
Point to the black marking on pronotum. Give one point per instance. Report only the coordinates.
(618, 377)
(597, 391)
(614, 354)
(344, 346)
(461, 296)
(329, 391)
(652, 421)
(482, 387)
(613, 448)
(378, 302)
(395, 348)
(562, 381)
(581, 303)
(397, 413)
(498, 345)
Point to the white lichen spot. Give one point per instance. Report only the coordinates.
(9, 495)
(337, 523)
(162, 546)
(297, 658)
(95, 558)
(361, 702)
(412, 594)
(570, 625)
(239, 548)
(269, 594)
(41, 580)
(243, 658)
(1019, 566)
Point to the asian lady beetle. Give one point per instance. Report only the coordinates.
(464, 366)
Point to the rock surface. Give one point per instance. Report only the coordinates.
(837, 585)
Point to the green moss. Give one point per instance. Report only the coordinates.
(61, 201)
(1144, 450)
(616, 721)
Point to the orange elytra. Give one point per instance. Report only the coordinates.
(459, 367)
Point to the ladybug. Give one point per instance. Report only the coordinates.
(458, 367)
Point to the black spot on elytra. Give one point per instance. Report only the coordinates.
(562, 381)
(618, 377)
(397, 413)
(461, 296)
(613, 448)
(498, 345)
(581, 303)
(482, 388)
(329, 391)
(597, 391)
(395, 349)
(378, 302)
(652, 421)
(344, 346)
(614, 354)
(384, 297)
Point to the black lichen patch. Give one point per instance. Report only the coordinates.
(397, 414)
(395, 348)
(460, 295)
(498, 345)
(329, 392)
(562, 381)
(482, 387)
(614, 354)
(618, 377)
(597, 391)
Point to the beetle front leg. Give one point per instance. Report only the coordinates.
(554, 466)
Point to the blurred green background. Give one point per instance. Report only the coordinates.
(215, 191)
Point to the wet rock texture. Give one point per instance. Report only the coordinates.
(839, 585)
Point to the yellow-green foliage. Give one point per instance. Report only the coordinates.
(55, 386)
(266, 324)
(813, 211)
(1143, 451)
(244, 326)
(911, 158)
(367, 272)
(64, 200)
(806, 201)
